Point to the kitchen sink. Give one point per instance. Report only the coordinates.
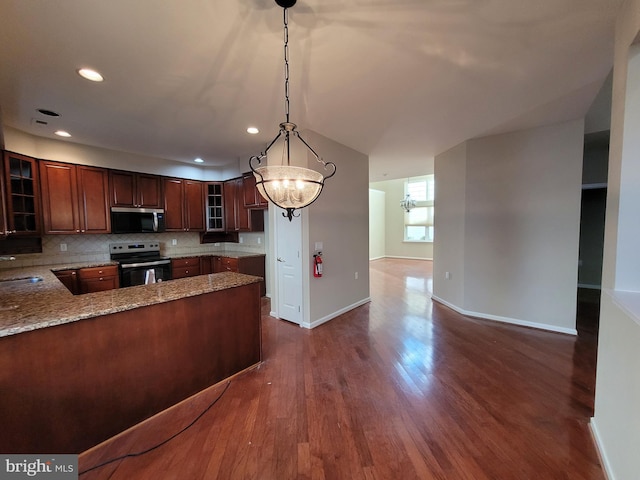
(21, 281)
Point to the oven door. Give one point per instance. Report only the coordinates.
(132, 274)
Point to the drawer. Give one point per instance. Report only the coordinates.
(188, 271)
(185, 262)
(229, 264)
(98, 272)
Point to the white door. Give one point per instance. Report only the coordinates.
(289, 268)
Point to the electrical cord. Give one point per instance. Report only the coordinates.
(143, 452)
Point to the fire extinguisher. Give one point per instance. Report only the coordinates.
(317, 264)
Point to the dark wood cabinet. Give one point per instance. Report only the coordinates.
(74, 198)
(98, 279)
(22, 215)
(69, 278)
(129, 189)
(194, 205)
(3, 203)
(253, 265)
(183, 205)
(206, 264)
(214, 193)
(251, 195)
(185, 267)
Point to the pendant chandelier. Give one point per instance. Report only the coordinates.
(407, 204)
(288, 187)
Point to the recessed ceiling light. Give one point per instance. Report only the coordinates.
(62, 133)
(90, 74)
(49, 113)
(198, 160)
(253, 130)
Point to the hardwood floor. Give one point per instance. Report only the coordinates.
(400, 388)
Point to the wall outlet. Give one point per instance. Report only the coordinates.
(174, 241)
(63, 247)
(447, 275)
(356, 275)
(259, 240)
(241, 239)
(319, 246)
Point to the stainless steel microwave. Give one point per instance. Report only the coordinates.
(137, 220)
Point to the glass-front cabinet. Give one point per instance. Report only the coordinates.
(215, 207)
(22, 190)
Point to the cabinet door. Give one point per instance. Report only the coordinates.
(69, 278)
(173, 208)
(251, 196)
(23, 190)
(194, 205)
(216, 264)
(3, 205)
(214, 206)
(229, 206)
(59, 198)
(243, 216)
(129, 189)
(93, 199)
(123, 188)
(206, 265)
(149, 190)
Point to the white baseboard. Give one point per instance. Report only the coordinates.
(333, 315)
(408, 258)
(597, 440)
(513, 321)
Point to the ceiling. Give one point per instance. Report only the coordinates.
(398, 80)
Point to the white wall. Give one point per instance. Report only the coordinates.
(395, 246)
(448, 248)
(65, 151)
(377, 222)
(340, 220)
(521, 226)
(616, 423)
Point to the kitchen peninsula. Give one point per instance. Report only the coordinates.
(77, 369)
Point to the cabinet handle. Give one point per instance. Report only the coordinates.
(73, 273)
(101, 278)
(186, 271)
(77, 231)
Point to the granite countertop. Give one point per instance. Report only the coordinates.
(28, 306)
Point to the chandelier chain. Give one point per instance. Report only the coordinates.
(286, 63)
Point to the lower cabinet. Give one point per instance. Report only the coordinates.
(98, 279)
(248, 265)
(69, 278)
(185, 267)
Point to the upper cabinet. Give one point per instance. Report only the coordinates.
(130, 189)
(3, 203)
(237, 217)
(215, 206)
(184, 205)
(22, 215)
(75, 198)
(251, 195)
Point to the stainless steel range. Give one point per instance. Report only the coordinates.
(140, 263)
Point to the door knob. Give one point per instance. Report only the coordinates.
(280, 260)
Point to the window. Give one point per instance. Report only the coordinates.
(418, 222)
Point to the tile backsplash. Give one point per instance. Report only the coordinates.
(95, 248)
